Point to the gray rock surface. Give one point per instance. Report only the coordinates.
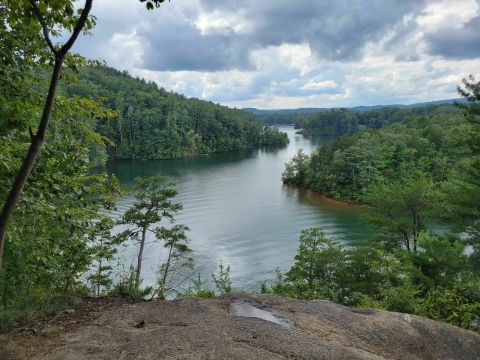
(204, 329)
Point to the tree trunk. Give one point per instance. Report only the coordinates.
(36, 142)
(165, 273)
(415, 231)
(38, 139)
(99, 276)
(406, 240)
(140, 258)
(354, 179)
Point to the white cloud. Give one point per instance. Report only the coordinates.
(217, 22)
(319, 85)
(447, 13)
(124, 51)
(185, 45)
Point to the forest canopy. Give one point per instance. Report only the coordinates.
(152, 123)
(336, 122)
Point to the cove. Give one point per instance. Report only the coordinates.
(240, 213)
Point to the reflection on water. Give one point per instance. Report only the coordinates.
(240, 213)
(249, 308)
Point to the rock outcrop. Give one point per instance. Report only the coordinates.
(212, 329)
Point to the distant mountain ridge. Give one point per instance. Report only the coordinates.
(360, 108)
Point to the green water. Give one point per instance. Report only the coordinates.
(240, 213)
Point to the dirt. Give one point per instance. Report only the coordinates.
(205, 329)
(43, 333)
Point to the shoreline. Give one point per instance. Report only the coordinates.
(326, 199)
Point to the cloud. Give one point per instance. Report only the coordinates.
(125, 50)
(220, 35)
(319, 85)
(334, 30)
(279, 53)
(451, 28)
(462, 43)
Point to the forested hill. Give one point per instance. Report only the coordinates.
(155, 124)
(424, 147)
(349, 121)
(354, 108)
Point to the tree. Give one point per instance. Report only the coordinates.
(176, 243)
(441, 262)
(46, 15)
(462, 193)
(317, 266)
(103, 247)
(400, 209)
(436, 281)
(49, 18)
(152, 205)
(49, 241)
(296, 170)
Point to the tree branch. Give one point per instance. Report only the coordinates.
(38, 139)
(42, 21)
(78, 27)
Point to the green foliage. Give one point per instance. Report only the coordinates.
(411, 175)
(347, 122)
(335, 122)
(222, 280)
(437, 281)
(272, 136)
(104, 246)
(152, 205)
(151, 4)
(60, 234)
(50, 239)
(198, 289)
(315, 270)
(462, 193)
(178, 259)
(129, 287)
(346, 168)
(155, 124)
(331, 122)
(296, 170)
(458, 306)
(440, 263)
(400, 209)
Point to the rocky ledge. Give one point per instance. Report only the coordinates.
(253, 327)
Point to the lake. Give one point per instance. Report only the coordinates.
(240, 213)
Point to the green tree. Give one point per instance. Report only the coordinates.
(153, 203)
(436, 281)
(363, 274)
(400, 209)
(462, 193)
(296, 170)
(22, 23)
(103, 247)
(316, 268)
(41, 17)
(441, 263)
(49, 242)
(178, 259)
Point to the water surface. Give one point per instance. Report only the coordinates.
(240, 213)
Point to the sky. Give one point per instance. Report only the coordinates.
(275, 54)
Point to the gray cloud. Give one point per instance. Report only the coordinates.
(283, 53)
(180, 46)
(462, 43)
(334, 30)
